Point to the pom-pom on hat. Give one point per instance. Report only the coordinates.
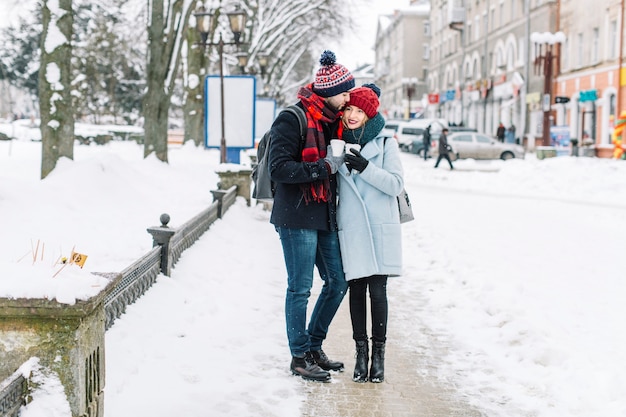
(332, 78)
(374, 88)
(366, 99)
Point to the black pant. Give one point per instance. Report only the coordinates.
(358, 307)
(426, 152)
(442, 156)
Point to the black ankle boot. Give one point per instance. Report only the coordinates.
(308, 369)
(324, 362)
(362, 359)
(377, 371)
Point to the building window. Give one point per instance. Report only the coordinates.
(501, 17)
(579, 53)
(512, 11)
(426, 51)
(595, 45)
(427, 28)
(477, 28)
(486, 23)
(613, 36)
(565, 54)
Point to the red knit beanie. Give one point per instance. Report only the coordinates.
(365, 99)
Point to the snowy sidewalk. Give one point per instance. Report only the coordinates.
(410, 388)
(215, 331)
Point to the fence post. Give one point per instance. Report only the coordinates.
(68, 340)
(240, 177)
(161, 236)
(218, 195)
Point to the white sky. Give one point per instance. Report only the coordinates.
(358, 47)
(518, 272)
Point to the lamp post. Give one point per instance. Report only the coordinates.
(237, 21)
(409, 85)
(545, 54)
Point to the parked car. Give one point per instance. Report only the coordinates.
(480, 146)
(409, 131)
(404, 132)
(436, 126)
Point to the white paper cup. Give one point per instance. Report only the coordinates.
(352, 146)
(337, 146)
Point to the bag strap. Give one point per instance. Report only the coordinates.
(299, 113)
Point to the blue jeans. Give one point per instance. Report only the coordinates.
(303, 249)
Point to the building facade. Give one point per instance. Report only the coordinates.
(480, 74)
(479, 63)
(401, 48)
(589, 79)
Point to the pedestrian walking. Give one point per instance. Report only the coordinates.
(444, 148)
(427, 142)
(304, 214)
(369, 225)
(500, 131)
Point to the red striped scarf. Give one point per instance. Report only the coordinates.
(317, 112)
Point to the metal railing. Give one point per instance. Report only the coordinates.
(130, 284)
(13, 391)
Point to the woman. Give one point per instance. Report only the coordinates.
(369, 224)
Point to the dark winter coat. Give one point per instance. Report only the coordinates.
(500, 132)
(443, 144)
(288, 171)
(426, 137)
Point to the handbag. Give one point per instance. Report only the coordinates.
(404, 207)
(404, 204)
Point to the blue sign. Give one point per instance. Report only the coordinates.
(588, 95)
(560, 138)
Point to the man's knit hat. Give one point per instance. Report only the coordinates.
(366, 99)
(332, 78)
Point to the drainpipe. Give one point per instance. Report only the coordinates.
(621, 55)
(526, 69)
(485, 67)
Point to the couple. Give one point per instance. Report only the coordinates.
(322, 200)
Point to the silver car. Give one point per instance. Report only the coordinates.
(480, 146)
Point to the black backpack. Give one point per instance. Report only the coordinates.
(263, 185)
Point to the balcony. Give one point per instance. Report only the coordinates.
(456, 15)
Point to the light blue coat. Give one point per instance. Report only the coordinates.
(370, 234)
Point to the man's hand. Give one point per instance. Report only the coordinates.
(333, 162)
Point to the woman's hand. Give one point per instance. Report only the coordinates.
(355, 161)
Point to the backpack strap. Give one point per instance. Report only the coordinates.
(299, 113)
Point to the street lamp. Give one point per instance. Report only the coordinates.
(263, 59)
(545, 54)
(237, 21)
(409, 85)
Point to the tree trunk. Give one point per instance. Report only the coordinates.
(165, 39)
(193, 107)
(156, 108)
(55, 101)
(153, 110)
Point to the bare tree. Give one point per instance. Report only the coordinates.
(55, 100)
(291, 33)
(166, 29)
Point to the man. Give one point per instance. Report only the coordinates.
(444, 148)
(304, 214)
(426, 141)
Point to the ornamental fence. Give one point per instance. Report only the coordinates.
(85, 388)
